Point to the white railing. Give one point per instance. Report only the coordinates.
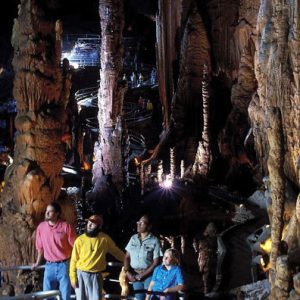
(56, 293)
(16, 268)
(36, 295)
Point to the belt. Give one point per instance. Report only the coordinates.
(57, 262)
(139, 271)
(91, 273)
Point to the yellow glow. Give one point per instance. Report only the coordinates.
(86, 166)
(2, 186)
(136, 161)
(264, 267)
(266, 246)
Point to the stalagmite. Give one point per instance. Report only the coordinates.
(275, 165)
(34, 178)
(181, 168)
(110, 95)
(172, 164)
(160, 172)
(203, 157)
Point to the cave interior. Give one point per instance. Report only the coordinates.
(185, 110)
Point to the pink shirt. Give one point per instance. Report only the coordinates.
(56, 242)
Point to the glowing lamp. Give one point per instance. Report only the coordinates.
(167, 183)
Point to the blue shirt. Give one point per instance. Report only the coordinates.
(164, 278)
(142, 253)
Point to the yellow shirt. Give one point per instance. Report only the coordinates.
(89, 254)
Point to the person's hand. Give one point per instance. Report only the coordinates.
(130, 276)
(138, 277)
(167, 290)
(74, 284)
(34, 266)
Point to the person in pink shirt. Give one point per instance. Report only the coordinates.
(54, 242)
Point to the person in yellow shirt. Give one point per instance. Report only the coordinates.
(88, 260)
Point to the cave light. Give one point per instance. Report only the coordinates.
(167, 183)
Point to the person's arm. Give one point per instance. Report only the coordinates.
(127, 267)
(73, 262)
(149, 270)
(115, 251)
(149, 290)
(71, 235)
(39, 248)
(176, 288)
(39, 259)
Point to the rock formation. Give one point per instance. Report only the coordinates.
(33, 180)
(110, 96)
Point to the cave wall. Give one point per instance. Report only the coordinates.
(277, 73)
(244, 43)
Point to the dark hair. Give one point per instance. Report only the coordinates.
(148, 219)
(56, 207)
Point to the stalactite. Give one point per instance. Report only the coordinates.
(194, 53)
(166, 28)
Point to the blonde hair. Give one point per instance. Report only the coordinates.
(174, 256)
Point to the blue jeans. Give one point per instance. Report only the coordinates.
(141, 285)
(56, 277)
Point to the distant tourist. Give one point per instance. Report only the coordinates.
(141, 79)
(133, 79)
(149, 105)
(153, 76)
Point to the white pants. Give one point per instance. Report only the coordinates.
(89, 286)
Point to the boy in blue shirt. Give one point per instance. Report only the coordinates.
(167, 278)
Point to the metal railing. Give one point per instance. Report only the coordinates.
(57, 295)
(16, 268)
(36, 295)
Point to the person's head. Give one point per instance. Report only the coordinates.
(53, 212)
(171, 257)
(94, 225)
(144, 224)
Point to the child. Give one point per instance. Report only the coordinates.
(167, 277)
